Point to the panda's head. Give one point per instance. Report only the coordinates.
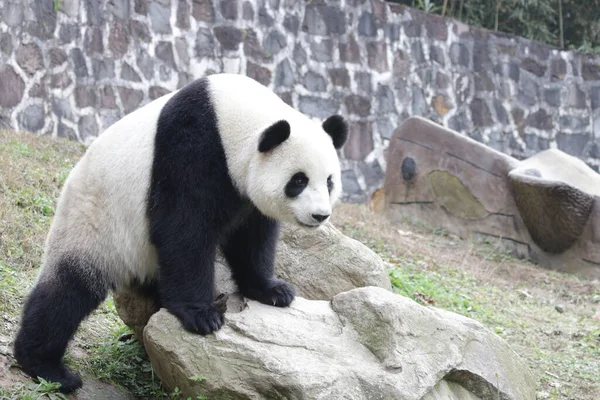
(295, 172)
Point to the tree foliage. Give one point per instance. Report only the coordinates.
(573, 24)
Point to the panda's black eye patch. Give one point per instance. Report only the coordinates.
(329, 184)
(296, 184)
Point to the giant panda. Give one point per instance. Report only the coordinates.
(216, 164)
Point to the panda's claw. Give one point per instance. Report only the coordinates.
(202, 319)
(277, 293)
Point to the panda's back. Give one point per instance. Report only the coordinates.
(101, 212)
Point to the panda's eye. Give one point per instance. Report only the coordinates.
(296, 184)
(329, 184)
(300, 179)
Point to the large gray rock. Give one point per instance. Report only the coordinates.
(324, 262)
(367, 343)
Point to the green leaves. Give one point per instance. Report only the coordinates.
(534, 19)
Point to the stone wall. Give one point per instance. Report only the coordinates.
(74, 71)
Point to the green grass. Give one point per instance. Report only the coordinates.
(33, 391)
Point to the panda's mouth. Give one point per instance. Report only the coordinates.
(307, 225)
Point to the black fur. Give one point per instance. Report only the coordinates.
(193, 207)
(296, 185)
(274, 135)
(52, 313)
(337, 128)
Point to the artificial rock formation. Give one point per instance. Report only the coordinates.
(367, 343)
(545, 208)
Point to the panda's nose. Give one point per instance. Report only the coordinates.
(320, 217)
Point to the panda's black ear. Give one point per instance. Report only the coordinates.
(337, 128)
(274, 135)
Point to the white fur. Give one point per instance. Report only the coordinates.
(245, 108)
(102, 209)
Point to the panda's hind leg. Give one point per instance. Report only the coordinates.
(250, 252)
(66, 293)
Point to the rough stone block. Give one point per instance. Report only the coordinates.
(259, 73)
(118, 39)
(540, 120)
(314, 82)
(130, 98)
(367, 25)
(350, 51)
(87, 127)
(377, 56)
(103, 69)
(360, 140)
(529, 64)
(274, 43)
(160, 17)
(157, 91)
(322, 51)
(32, 118)
(284, 74)
(229, 9)
(129, 74)
(57, 57)
(339, 77)
(29, 57)
(459, 54)
(203, 10)
(164, 52)
(86, 96)
(358, 105)
(318, 107)
(480, 113)
(573, 144)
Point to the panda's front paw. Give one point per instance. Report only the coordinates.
(274, 293)
(198, 318)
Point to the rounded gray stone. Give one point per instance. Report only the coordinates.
(284, 74)
(129, 74)
(314, 82)
(12, 87)
(160, 16)
(317, 107)
(274, 42)
(29, 57)
(164, 52)
(103, 68)
(13, 14)
(32, 118)
(62, 108)
(367, 25)
(87, 127)
(181, 46)
(205, 43)
(146, 64)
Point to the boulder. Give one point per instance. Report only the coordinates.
(324, 262)
(366, 343)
